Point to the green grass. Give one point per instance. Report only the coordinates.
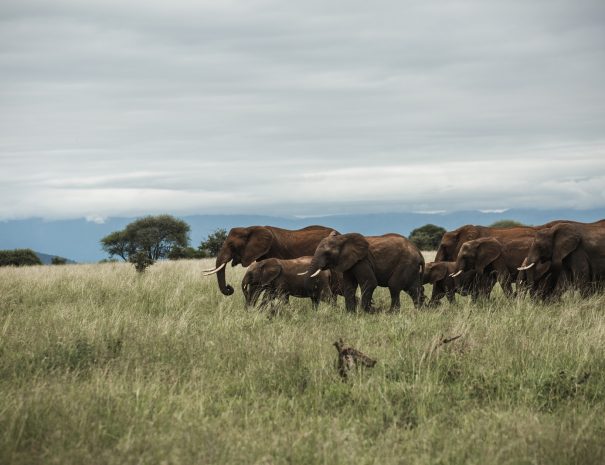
(101, 365)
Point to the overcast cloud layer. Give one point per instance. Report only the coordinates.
(301, 108)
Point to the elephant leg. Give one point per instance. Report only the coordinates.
(417, 295)
(506, 284)
(436, 294)
(395, 301)
(486, 285)
(315, 302)
(350, 287)
(366, 298)
(450, 291)
(268, 296)
(367, 281)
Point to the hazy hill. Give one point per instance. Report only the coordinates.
(79, 239)
(47, 259)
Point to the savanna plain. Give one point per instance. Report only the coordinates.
(100, 364)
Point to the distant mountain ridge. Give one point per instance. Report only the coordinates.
(79, 238)
(47, 259)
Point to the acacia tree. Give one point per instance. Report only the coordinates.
(155, 236)
(117, 243)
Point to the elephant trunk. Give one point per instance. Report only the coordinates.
(441, 256)
(461, 267)
(314, 269)
(246, 288)
(223, 258)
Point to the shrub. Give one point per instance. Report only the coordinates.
(19, 257)
(427, 237)
(141, 261)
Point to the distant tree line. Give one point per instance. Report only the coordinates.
(506, 224)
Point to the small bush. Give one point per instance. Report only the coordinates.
(141, 261)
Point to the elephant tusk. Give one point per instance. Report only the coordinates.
(458, 273)
(302, 274)
(523, 268)
(216, 270)
(316, 273)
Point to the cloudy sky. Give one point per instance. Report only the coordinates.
(114, 108)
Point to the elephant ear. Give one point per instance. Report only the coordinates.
(354, 249)
(566, 240)
(258, 244)
(437, 272)
(540, 270)
(487, 253)
(269, 273)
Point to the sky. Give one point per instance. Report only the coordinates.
(114, 108)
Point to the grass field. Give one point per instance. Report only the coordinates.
(101, 365)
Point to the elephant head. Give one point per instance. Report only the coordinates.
(550, 247)
(258, 277)
(339, 252)
(434, 272)
(242, 246)
(453, 240)
(477, 255)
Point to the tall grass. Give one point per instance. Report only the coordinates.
(99, 364)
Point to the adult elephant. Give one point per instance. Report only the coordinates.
(488, 257)
(566, 254)
(247, 245)
(388, 261)
(452, 241)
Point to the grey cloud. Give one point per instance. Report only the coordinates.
(212, 104)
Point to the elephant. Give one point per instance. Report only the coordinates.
(488, 256)
(388, 261)
(566, 255)
(438, 274)
(452, 241)
(282, 278)
(247, 245)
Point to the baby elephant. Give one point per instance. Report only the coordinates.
(280, 279)
(438, 274)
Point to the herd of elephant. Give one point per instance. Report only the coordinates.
(320, 263)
